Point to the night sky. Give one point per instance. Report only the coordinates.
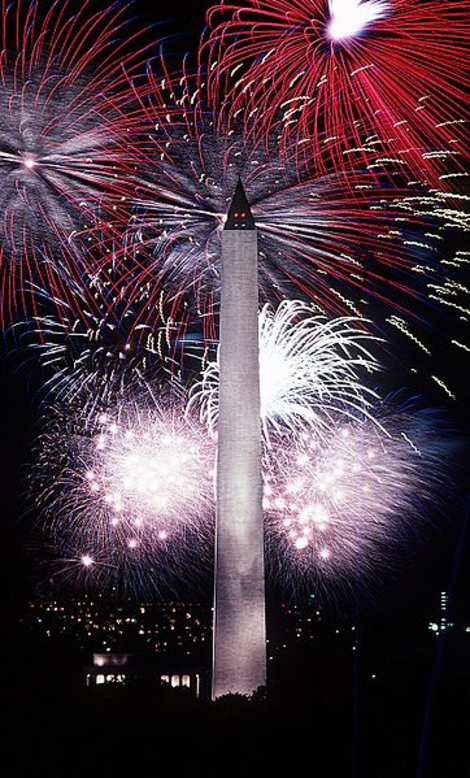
(434, 563)
(403, 598)
(441, 562)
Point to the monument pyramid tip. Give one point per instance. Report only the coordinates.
(239, 216)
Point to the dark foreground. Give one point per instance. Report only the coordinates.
(318, 721)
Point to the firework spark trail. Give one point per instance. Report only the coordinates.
(309, 373)
(332, 238)
(87, 356)
(94, 356)
(66, 172)
(448, 228)
(340, 508)
(127, 489)
(328, 74)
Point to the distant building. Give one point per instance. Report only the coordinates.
(444, 602)
(442, 623)
(112, 668)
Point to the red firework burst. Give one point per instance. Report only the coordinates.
(331, 73)
(66, 115)
(339, 240)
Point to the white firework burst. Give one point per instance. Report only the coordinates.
(127, 491)
(310, 371)
(348, 18)
(348, 507)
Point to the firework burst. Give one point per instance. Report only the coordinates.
(328, 74)
(94, 357)
(125, 490)
(309, 373)
(333, 238)
(340, 508)
(65, 155)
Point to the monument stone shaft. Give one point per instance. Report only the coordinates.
(239, 654)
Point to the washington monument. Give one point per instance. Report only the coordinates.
(239, 653)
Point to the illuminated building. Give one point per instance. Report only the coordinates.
(127, 668)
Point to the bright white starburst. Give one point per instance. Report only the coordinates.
(123, 486)
(348, 18)
(310, 371)
(150, 469)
